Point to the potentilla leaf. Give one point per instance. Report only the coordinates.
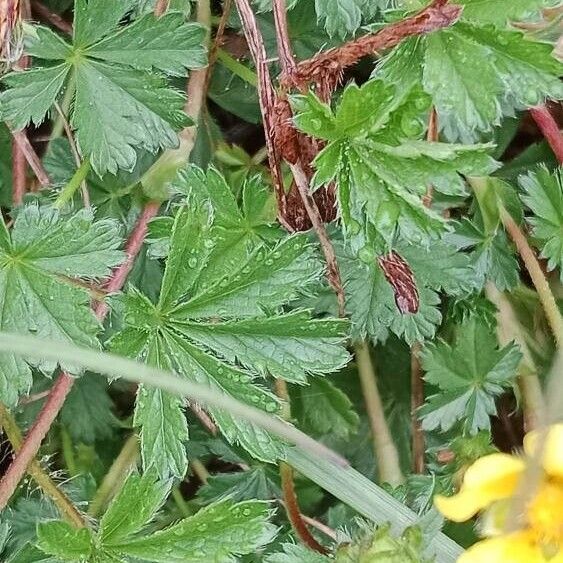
(123, 101)
(225, 332)
(543, 195)
(470, 374)
(133, 507)
(217, 532)
(380, 170)
(38, 259)
(490, 72)
(499, 12)
(371, 301)
(492, 255)
(64, 541)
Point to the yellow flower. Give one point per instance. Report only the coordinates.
(489, 485)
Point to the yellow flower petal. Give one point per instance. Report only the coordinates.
(511, 548)
(490, 478)
(553, 454)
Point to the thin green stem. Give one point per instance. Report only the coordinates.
(59, 125)
(384, 448)
(199, 470)
(68, 452)
(547, 300)
(237, 68)
(180, 502)
(509, 330)
(116, 476)
(65, 506)
(73, 184)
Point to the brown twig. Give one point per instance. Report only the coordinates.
(218, 40)
(267, 99)
(417, 381)
(54, 19)
(285, 52)
(31, 156)
(333, 271)
(19, 174)
(64, 383)
(417, 400)
(326, 69)
(550, 130)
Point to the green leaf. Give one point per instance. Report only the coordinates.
(344, 17)
(254, 483)
(64, 541)
(224, 332)
(216, 533)
(492, 255)
(543, 195)
(382, 174)
(87, 412)
(499, 12)
(470, 374)
(132, 508)
(119, 109)
(31, 94)
(322, 408)
(371, 301)
(43, 250)
(166, 44)
(489, 72)
(122, 101)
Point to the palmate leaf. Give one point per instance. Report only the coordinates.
(42, 250)
(218, 532)
(543, 195)
(492, 255)
(470, 374)
(122, 100)
(477, 73)
(371, 302)
(381, 173)
(224, 331)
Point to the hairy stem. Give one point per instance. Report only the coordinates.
(333, 271)
(417, 400)
(116, 476)
(384, 449)
(64, 505)
(290, 499)
(199, 470)
(539, 280)
(54, 19)
(267, 99)
(64, 383)
(550, 130)
(31, 156)
(19, 173)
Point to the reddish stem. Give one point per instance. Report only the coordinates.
(19, 170)
(417, 400)
(550, 130)
(282, 36)
(327, 67)
(267, 99)
(160, 7)
(293, 511)
(54, 19)
(30, 155)
(64, 383)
